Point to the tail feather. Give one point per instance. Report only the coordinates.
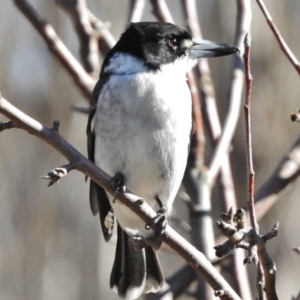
(99, 203)
(134, 272)
(155, 277)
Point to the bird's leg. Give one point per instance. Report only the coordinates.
(159, 222)
(117, 183)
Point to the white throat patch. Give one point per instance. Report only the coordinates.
(126, 64)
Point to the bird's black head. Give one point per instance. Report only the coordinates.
(156, 44)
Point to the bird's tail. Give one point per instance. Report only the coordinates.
(134, 272)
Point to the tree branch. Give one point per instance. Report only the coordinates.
(105, 39)
(87, 39)
(260, 280)
(81, 78)
(235, 228)
(285, 173)
(136, 10)
(6, 125)
(161, 11)
(192, 256)
(247, 108)
(283, 45)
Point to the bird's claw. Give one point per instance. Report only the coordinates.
(160, 220)
(117, 183)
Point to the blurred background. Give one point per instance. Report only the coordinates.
(50, 244)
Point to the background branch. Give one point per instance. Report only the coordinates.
(136, 10)
(283, 45)
(80, 77)
(80, 15)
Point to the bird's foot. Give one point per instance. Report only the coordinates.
(160, 222)
(117, 183)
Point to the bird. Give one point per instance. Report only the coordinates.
(138, 132)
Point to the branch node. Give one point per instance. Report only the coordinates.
(296, 249)
(56, 124)
(219, 293)
(6, 125)
(295, 117)
(140, 201)
(247, 40)
(57, 174)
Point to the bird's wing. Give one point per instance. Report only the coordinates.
(98, 198)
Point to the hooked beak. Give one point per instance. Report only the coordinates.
(205, 48)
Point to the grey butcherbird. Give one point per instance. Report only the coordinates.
(139, 133)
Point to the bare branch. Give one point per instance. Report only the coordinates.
(161, 11)
(196, 156)
(136, 10)
(285, 173)
(284, 47)
(297, 297)
(247, 108)
(269, 266)
(243, 24)
(251, 175)
(193, 257)
(105, 39)
(296, 249)
(237, 231)
(6, 125)
(81, 78)
(80, 109)
(79, 13)
(55, 175)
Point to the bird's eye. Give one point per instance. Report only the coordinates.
(173, 42)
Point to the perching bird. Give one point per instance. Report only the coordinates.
(139, 133)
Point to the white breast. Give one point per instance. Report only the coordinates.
(142, 126)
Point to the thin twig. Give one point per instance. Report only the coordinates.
(286, 172)
(296, 249)
(81, 78)
(193, 257)
(251, 175)
(242, 25)
(266, 279)
(283, 45)
(136, 10)
(79, 13)
(105, 39)
(6, 125)
(240, 235)
(197, 148)
(161, 11)
(247, 108)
